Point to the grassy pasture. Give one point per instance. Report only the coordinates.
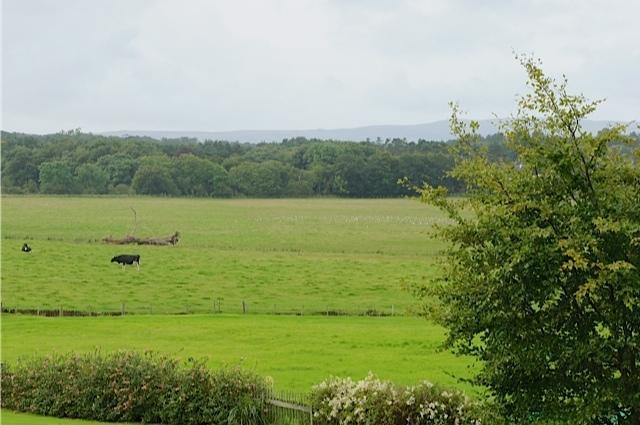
(15, 418)
(278, 255)
(282, 255)
(296, 352)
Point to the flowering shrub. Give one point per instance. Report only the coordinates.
(338, 401)
(133, 387)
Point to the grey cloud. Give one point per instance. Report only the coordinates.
(224, 65)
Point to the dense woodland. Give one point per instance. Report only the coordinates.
(72, 162)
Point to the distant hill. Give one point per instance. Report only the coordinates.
(437, 130)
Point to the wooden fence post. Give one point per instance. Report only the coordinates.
(244, 307)
(220, 304)
(122, 309)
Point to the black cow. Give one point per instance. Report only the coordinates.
(127, 260)
(26, 248)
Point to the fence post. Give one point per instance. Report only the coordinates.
(60, 311)
(392, 311)
(122, 309)
(244, 307)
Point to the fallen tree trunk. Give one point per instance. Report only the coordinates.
(132, 240)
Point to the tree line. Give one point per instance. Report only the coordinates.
(74, 162)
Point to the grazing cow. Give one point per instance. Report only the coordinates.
(127, 260)
(26, 248)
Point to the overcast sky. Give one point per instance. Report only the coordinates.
(297, 64)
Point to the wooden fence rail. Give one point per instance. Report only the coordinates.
(290, 408)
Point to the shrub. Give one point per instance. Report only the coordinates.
(133, 387)
(372, 401)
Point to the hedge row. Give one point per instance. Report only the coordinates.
(339, 401)
(151, 388)
(133, 387)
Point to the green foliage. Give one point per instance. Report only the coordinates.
(261, 179)
(92, 179)
(372, 401)
(120, 167)
(20, 170)
(220, 181)
(154, 177)
(542, 281)
(133, 387)
(57, 177)
(193, 175)
(296, 167)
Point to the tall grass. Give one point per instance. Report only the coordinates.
(282, 256)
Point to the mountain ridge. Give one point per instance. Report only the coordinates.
(433, 131)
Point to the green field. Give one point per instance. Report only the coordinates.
(306, 257)
(15, 418)
(276, 255)
(296, 352)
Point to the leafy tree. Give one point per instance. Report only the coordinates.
(57, 177)
(20, 169)
(350, 174)
(300, 183)
(382, 173)
(92, 179)
(200, 177)
(268, 178)
(193, 175)
(220, 181)
(542, 281)
(120, 168)
(154, 177)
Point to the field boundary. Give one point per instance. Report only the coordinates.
(62, 312)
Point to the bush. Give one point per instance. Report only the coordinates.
(372, 401)
(133, 387)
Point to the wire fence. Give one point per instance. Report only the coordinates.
(243, 307)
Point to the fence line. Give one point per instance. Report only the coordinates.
(244, 308)
(290, 408)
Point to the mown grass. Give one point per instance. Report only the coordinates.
(277, 255)
(296, 352)
(14, 418)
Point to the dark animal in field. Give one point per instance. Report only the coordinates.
(26, 248)
(127, 260)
